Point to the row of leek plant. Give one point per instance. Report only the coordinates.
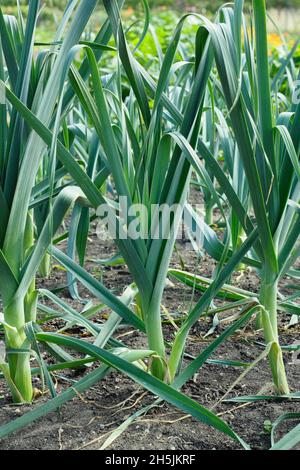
(148, 264)
(149, 153)
(156, 172)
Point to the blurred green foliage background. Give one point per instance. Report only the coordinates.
(166, 13)
(177, 4)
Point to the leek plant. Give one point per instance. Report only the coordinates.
(269, 145)
(149, 154)
(264, 127)
(21, 154)
(147, 163)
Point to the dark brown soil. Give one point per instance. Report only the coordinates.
(87, 420)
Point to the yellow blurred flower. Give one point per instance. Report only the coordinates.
(274, 40)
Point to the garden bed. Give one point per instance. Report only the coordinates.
(87, 420)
